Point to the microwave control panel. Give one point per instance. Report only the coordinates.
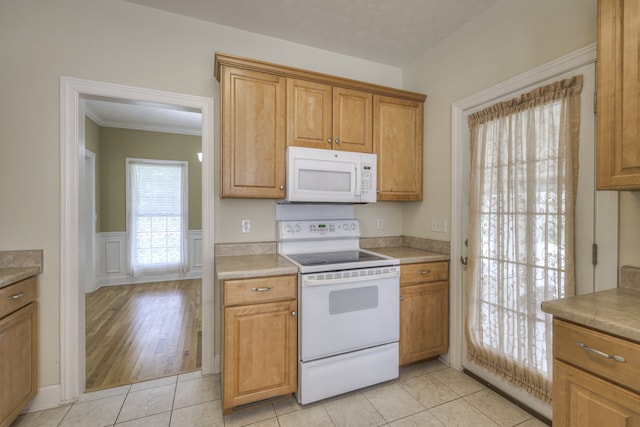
(366, 178)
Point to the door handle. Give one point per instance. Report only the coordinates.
(464, 260)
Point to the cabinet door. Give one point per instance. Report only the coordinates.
(18, 369)
(618, 118)
(253, 134)
(424, 321)
(397, 140)
(352, 120)
(583, 400)
(260, 348)
(309, 110)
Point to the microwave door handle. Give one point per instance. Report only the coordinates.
(358, 176)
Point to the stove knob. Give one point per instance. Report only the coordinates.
(345, 226)
(288, 228)
(353, 226)
(298, 228)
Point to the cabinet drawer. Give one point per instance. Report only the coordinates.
(566, 339)
(424, 272)
(18, 295)
(259, 290)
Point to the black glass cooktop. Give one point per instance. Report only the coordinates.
(327, 258)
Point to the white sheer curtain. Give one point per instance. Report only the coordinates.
(157, 216)
(521, 210)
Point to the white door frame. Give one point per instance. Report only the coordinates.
(72, 350)
(573, 60)
(88, 224)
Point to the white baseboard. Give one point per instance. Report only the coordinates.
(217, 364)
(47, 397)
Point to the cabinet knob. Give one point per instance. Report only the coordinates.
(264, 289)
(423, 272)
(329, 140)
(337, 141)
(294, 314)
(282, 187)
(401, 298)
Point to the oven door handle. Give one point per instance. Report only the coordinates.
(336, 281)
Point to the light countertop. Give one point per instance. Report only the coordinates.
(408, 255)
(240, 266)
(11, 275)
(614, 311)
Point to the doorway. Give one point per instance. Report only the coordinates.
(596, 209)
(72, 333)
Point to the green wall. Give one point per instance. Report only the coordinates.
(92, 143)
(115, 145)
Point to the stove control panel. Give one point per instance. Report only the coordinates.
(338, 228)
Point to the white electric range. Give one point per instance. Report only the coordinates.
(348, 304)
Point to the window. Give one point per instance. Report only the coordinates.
(157, 217)
(521, 219)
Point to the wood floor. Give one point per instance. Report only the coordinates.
(140, 332)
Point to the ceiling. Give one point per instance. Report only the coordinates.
(392, 32)
(148, 116)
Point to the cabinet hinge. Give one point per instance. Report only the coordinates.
(594, 254)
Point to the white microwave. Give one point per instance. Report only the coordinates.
(329, 176)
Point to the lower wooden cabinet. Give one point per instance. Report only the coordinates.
(584, 400)
(18, 348)
(424, 311)
(589, 388)
(259, 340)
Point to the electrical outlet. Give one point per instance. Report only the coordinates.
(246, 225)
(439, 225)
(380, 222)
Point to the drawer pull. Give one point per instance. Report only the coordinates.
(16, 296)
(423, 272)
(265, 289)
(601, 353)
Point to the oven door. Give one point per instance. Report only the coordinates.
(348, 310)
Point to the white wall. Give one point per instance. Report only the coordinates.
(629, 252)
(118, 42)
(508, 39)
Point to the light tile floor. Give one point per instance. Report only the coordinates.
(426, 395)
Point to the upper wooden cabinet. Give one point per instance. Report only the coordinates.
(618, 102)
(253, 133)
(326, 117)
(266, 107)
(397, 140)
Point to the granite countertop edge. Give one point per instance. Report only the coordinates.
(408, 255)
(264, 265)
(11, 275)
(613, 311)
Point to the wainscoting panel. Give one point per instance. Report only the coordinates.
(111, 260)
